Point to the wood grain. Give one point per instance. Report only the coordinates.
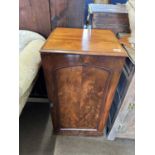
(81, 93)
(67, 13)
(34, 15)
(94, 82)
(42, 16)
(125, 40)
(83, 41)
(81, 86)
(68, 83)
(111, 17)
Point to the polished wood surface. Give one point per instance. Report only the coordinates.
(83, 41)
(77, 86)
(125, 41)
(34, 15)
(80, 86)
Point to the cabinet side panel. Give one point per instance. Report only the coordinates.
(108, 101)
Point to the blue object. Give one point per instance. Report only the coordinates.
(118, 1)
(87, 2)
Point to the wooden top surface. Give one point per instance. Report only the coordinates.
(128, 47)
(125, 40)
(110, 8)
(83, 41)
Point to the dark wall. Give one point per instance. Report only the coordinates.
(67, 13)
(34, 15)
(44, 15)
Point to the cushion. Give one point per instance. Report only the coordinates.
(30, 44)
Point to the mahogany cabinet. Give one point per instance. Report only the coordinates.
(82, 68)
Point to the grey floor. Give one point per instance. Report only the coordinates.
(35, 137)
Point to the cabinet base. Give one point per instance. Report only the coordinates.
(78, 133)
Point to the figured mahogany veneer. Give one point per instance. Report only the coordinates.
(82, 69)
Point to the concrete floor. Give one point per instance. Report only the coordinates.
(36, 137)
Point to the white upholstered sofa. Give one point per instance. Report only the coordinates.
(29, 63)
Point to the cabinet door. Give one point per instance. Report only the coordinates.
(81, 92)
(81, 89)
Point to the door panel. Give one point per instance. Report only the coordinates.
(81, 93)
(81, 88)
(94, 81)
(68, 83)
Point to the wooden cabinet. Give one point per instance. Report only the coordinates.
(82, 69)
(108, 16)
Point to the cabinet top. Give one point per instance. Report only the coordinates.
(83, 41)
